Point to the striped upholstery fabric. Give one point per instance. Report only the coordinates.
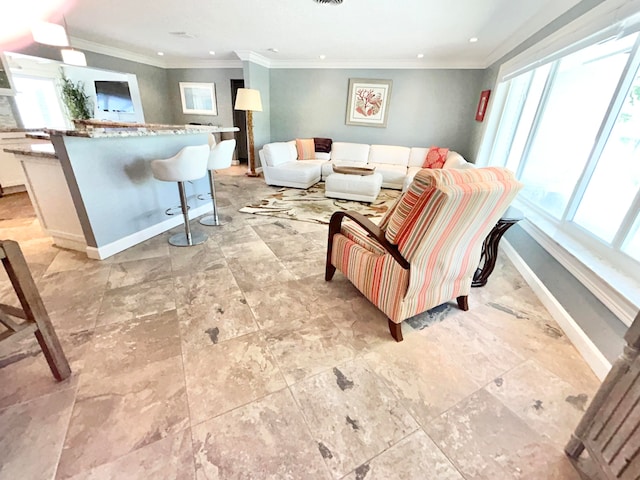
(439, 225)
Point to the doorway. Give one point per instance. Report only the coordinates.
(240, 121)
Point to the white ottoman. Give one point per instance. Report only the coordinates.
(362, 188)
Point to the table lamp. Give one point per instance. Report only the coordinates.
(248, 99)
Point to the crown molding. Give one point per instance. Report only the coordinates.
(95, 47)
(253, 57)
(376, 64)
(186, 63)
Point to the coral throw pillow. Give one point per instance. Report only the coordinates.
(323, 144)
(306, 148)
(436, 157)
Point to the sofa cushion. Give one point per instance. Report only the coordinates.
(306, 148)
(322, 144)
(417, 156)
(455, 160)
(389, 154)
(392, 175)
(323, 156)
(306, 173)
(436, 157)
(278, 153)
(349, 152)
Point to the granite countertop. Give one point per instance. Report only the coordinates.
(44, 150)
(19, 130)
(38, 135)
(103, 129)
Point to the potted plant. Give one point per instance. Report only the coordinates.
(78, 103)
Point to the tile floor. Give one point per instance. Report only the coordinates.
(236, 360)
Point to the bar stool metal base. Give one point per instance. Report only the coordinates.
(181, 239)
(215, 220)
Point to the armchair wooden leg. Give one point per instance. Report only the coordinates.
(463, 302)
(396, 330)
(329, 271)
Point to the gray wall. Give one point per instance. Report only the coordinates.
(152, 81)
(427, 107)
(220, 76)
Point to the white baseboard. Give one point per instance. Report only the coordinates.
(594, 358)
(105, 251)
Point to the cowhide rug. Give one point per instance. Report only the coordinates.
(312, 206)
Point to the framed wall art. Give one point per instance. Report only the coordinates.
(482, 105)
(198, 98)
(368, 102)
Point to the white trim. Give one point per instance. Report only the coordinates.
(187, 63)
(379, 64)
(65, 240)
(620, 305)
(121, 53)
(253, 57)
(105, 251)
(610, 18)
(594, 357)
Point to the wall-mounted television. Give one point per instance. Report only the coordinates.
(113, 96)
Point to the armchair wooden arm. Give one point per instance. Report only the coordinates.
(371, 228)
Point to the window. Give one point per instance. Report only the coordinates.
(570, 130)
(38, 102)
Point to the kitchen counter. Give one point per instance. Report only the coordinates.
(104, 129)
(44, 150)
(19, 130)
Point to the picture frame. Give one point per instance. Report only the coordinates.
(6, 83)
(368, 102)
(198, 98)
(482, 105)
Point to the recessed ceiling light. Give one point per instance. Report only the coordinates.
(161, 53)
(322, 57)
(421, 55)
(274, 50)
(473, 39)
(211, 52)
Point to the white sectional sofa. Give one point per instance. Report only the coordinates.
(397, 165)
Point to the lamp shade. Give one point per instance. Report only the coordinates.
(248, 99)
(50, 34)
(73, 57)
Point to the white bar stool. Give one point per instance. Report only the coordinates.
(190, 163)
(220, 157)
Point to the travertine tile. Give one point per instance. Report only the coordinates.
(279, 305)
(265, 439)
(203, 287)
(170, 458)
(153, 248)
(486, 440)
(139, 271)
(352, 415)
(117, 414)
(32, 434)
(133, 301)
(232, 373)
(416, 456)
(204, 324)
(130, 345)
(185, 261)
(563, 360)
(254, 274)
(25, 374)
(423, 375)
(548, 404)
(306, 264)
(311, 346)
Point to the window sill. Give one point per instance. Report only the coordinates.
(617, 290)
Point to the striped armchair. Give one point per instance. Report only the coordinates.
(427, 247)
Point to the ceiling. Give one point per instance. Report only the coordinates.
(356, 33)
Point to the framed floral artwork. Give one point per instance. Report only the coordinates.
(368, 102)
